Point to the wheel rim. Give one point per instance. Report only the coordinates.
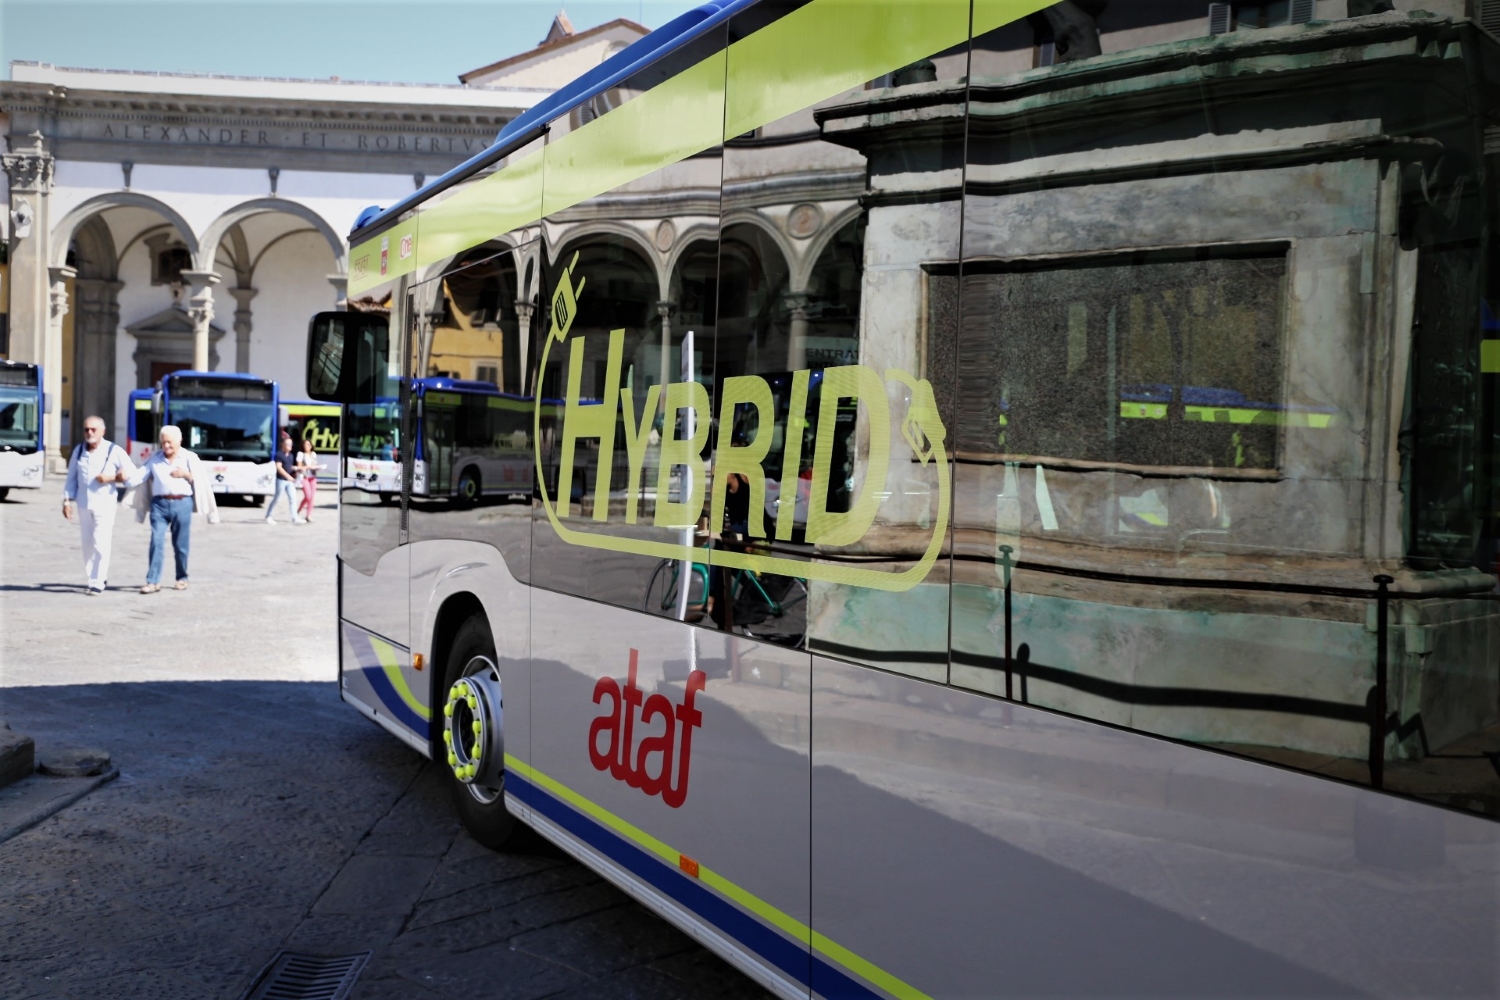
(468, 719)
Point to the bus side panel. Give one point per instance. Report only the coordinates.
(18, 470)
(969, 847)
(376, 676)
(722, 830)
(443, 569)
(377, 568)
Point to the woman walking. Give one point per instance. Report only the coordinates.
(307, 473)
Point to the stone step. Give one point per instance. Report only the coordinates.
(17, 756)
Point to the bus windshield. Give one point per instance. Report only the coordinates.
(18, 417)
(226, 429)
(372, 430)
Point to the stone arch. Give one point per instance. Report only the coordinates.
(701, 233)
(750, 217)
(803, 268)
(206, 249)
(631, 234)
(66, 228)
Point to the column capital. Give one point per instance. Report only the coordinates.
(242, 296)
(201, 279)
(201, 311)
(58, 290)
(340, 283)
(28, 165)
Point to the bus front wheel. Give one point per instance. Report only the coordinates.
(4, 492)
(471, 749)
(468, 486)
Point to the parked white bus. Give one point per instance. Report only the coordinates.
(1018, 515)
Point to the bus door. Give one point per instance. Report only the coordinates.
(439, 416)
(144, 425)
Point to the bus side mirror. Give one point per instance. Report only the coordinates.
(347, 356)
(156, 406)
(326, 349)
(47, 402)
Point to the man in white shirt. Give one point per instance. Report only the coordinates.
(90, 497)
(173, 487)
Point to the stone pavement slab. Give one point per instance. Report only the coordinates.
(254, 811)
(26, 803)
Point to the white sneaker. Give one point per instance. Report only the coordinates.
(269, 520)
(300, 520)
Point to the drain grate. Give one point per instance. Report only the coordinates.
(308, 977)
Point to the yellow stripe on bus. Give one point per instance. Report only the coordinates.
(791, 925)
(391, 664)
(1228, 415)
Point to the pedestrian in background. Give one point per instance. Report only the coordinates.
(307, 471)
(91, 497)
(286, 479)
(173, 486)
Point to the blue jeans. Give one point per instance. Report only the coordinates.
(177, 515)
(284, 488)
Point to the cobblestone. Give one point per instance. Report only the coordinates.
(254, 811)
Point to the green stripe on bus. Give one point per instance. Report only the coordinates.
(1228, 415)
(1489, 357)
(785, 921)
(831, 46)
(816, 52)
(443, 399)
(665, 125)
(481, 210)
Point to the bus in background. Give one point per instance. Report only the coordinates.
(142, 425)
(21, 442)
(372, 448)
(318, 422)
(1134, 635)
(227, 418)
(473, 441)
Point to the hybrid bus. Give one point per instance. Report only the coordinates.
(472, 441)
(22, 430)
(316, 422)
(228, 418)
(1130, 367)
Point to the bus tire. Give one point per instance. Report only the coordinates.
(4, 492)
(469, 486)
(481, 810)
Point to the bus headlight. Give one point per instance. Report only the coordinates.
(473, 731)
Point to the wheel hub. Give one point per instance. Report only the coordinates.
(473, 731)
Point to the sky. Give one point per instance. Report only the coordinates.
(407, 41)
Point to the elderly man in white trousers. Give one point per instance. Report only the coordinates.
(90, 497)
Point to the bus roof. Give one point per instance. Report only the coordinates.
(441, 383)
(526, 126)
(241, 376)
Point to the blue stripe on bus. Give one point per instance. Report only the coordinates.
(391, 702)
(788, 956)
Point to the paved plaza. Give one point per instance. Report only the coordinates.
(255, 812)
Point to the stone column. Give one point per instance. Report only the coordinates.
(201, 311)
(340, 283)
(524, 312)
(242, 297)
(57, 308)
(33, 338)
(96, 322)
(796, 348)
(664, 310)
